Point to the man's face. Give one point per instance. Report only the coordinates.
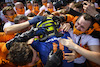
(35, 5)
(29, 5)
(49, 6)
(44, 2)
(82, 24)
(20, 6)
(35, 58)
(10, 15)
(20, 9)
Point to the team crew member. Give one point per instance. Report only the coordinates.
(10, 14)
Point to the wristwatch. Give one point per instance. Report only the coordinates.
(97, 16)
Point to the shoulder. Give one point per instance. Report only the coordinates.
(7, 24)
(90, 40)
(3, 47)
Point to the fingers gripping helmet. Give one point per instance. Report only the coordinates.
(50, 26)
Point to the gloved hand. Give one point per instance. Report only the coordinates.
(59, 19)
(37, 19)
(54, 60)
(56, 19)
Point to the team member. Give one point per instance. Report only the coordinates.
(10, 14)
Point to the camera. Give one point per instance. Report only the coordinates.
(59, 4)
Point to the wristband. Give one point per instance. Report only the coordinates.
(97, 16)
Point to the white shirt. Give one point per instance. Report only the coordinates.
(45, 8)
(27, 12)
(7, 24)
(85, 39)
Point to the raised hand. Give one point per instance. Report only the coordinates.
(68, 43)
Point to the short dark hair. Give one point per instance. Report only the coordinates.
(20, 17)
(31, 15)
(78, 5)
(20, 53)
(88, 18)
(35, 1)
(7, 8)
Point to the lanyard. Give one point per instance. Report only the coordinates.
(79, 41)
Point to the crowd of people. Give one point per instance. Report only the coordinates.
(50, 33)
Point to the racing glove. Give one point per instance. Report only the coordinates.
(54, 59)
(59, 19)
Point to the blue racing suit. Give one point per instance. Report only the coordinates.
(44, 48)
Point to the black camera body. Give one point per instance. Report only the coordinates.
(59, 4)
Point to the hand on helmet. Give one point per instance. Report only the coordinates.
(40, 31)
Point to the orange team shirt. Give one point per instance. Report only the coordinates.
(6, 37)
(98, 8)
(35, 12)
(4, 51)
(3, 54)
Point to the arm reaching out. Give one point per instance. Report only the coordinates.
(91, 55)
(90, 8)
(17, 27)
